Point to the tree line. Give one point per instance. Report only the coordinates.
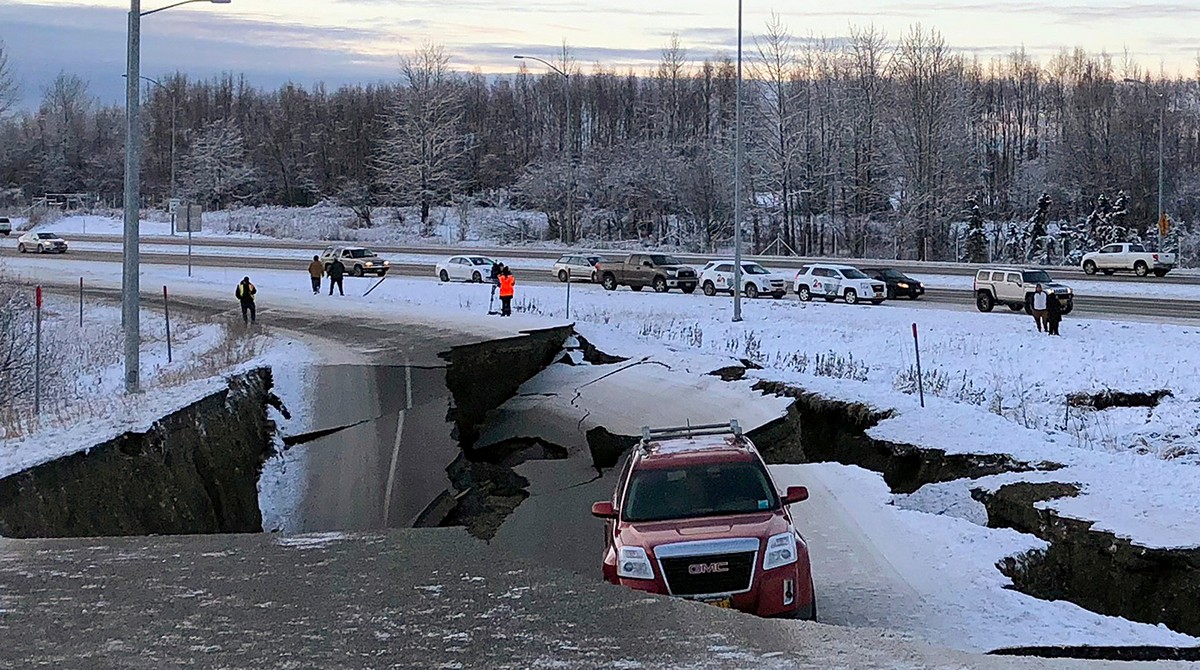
(866, 145)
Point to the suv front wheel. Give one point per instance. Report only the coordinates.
(984, 301)
(851, 297)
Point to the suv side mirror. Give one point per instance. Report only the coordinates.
(604, 509)
(794, 494)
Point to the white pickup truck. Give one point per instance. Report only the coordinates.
(1125, 257)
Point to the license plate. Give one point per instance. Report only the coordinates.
(723, 603)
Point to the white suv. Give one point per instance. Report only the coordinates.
(838, 281)
(717, 277)
(1014, 288)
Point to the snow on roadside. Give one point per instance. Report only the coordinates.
(94, 408)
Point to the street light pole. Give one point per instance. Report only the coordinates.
(130, 281)
(1162, 126)
(737, 184)
(569, 231)
(129, 268)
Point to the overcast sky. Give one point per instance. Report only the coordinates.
(341, 41)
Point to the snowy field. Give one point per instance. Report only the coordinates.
(83, 400)
(994, 385)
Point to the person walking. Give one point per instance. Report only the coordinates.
(336, 272)
(315, 271)
(507, 286)
(1038, 307)
(1053, 314)
(245, 295)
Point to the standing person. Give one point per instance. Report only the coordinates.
(245, 295)
(336, 271)
(315, 272)
(1038, 306)
(507, 286)
(1053, 314)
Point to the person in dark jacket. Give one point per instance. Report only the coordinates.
(1053, 314)
(336, 271)
(245, 295)
(315, 272)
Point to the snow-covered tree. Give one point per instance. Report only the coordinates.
(976, 237)
(215, 170)
(423, 145)
(1037, 238)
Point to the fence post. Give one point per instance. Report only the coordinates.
(37, 355)
(920, 378)
(568, 293)
(167, 316)
(81, 302)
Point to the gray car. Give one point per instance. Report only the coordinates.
(578, 267)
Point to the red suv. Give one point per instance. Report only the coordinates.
(695, 514)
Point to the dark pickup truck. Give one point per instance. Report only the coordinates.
(659, 271)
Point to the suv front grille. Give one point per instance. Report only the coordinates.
(709, 575)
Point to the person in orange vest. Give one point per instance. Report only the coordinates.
(507, 284)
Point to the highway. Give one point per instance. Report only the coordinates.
(437, 252)
(1085, 305)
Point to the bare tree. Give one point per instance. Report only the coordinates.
(8, 82)
(774, 73)
(423, 140)
(216, 171)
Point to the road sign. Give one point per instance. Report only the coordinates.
(1164, 224)
(173, 205)
(187, 219)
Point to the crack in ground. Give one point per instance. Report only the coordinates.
(579, 389)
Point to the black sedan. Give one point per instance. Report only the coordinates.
(898, 283)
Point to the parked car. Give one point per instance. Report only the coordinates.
(838, 281)
(1014, 287)
(897, 283)
(577, 267)
(1126, 257)
(696, 515)
(465, 268)
(659, 271)
(359, 261)
(717, 277)
(5, 226)
(43, 243)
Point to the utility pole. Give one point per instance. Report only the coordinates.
(130, 289)
(737, 184)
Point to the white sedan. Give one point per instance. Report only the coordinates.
(466, 268)
(41, 243)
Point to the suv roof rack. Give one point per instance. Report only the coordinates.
(689, 431)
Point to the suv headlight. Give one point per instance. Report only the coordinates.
(781, 551)
(672, 272)
(632, 563)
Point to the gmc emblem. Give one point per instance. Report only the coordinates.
(708, 568)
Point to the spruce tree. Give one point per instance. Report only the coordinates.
(976, 237)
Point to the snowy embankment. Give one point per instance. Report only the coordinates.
(83, 400)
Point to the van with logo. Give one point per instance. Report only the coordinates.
(696, 515)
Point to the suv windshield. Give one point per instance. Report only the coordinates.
(361, 253)
(659, 259)
(698, 490)
(1036, 277)
(47, 236)
(851, 273)
(754, 269)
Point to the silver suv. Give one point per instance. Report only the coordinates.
(359, 261)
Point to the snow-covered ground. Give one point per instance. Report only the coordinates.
(993, 385)
(83, 401)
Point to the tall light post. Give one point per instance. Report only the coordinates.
(737, 183)
(569, 237)
(133, 145)
(1162, 124)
